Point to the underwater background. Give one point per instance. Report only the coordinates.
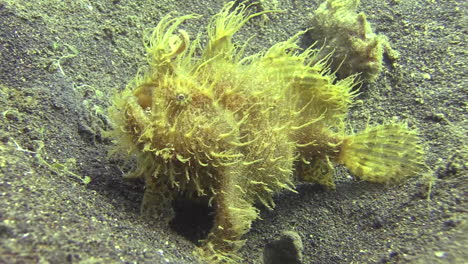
(63, 200)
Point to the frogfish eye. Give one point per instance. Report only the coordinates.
(180, 97)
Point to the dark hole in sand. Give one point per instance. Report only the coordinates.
(193, 219)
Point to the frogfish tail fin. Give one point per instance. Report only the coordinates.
(384, 153)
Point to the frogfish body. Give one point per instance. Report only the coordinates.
(211, 122)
